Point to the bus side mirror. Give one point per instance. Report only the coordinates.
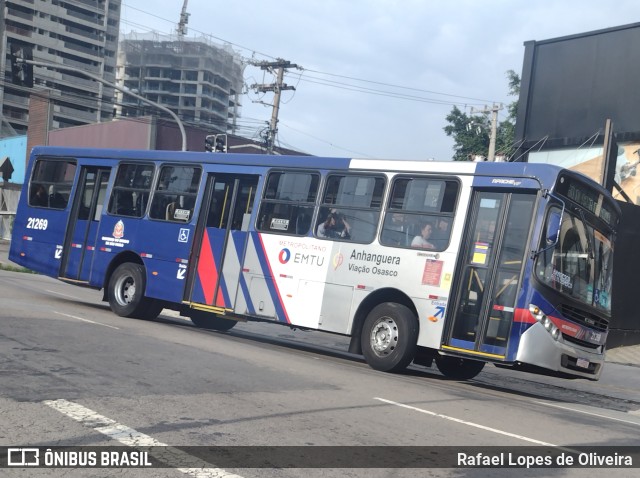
(553, 227)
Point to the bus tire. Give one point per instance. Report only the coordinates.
(389, 337)
(207, 320)
(126, 293)
(458, 368)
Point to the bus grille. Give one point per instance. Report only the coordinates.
(579, 342)
(584, 318)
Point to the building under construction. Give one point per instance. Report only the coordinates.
(195, 78)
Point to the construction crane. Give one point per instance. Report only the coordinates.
(184, 19)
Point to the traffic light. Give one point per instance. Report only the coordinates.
(221, 143)
(209, 143)
(21, 72)
(215, 143)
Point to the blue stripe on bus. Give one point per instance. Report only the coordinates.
(240, 241)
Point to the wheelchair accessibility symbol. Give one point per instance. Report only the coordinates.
(184, 235)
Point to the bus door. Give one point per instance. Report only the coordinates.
(494, 251)
(221, 240)
(80, 239)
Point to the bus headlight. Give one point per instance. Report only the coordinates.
(544, 321)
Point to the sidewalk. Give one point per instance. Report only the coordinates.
(629, 355)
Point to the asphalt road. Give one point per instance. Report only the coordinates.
(73, 373)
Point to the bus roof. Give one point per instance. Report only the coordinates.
(545, 173)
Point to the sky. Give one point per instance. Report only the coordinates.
(377, 78)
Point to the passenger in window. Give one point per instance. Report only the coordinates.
(334, 227)
(422, 240)
(40, 198)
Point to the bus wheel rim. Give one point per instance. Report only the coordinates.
(384, 336)
(125, 290)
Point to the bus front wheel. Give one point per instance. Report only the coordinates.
(389, 337)
(206, 320)
(458, 368)
(126, 293)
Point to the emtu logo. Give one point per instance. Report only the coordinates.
(284, 256)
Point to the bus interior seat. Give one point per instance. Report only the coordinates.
(170, 210)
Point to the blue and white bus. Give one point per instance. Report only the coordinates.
(456, 263)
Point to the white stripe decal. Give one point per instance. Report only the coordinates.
(130, 437)
(464, 422)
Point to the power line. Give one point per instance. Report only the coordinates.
(336, 84)
(396, 86)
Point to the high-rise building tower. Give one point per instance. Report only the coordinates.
(71, 33)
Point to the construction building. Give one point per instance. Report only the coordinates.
(197, 79)
(75, 34)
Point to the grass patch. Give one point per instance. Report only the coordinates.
(6, 267)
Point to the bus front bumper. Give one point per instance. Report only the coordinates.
(539, 349)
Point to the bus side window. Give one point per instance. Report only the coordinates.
(351, 205)
(175, 193)
(131, 189)
(51, 182)
(288, 202)
(414, 203)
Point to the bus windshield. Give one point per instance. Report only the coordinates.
(580, 264)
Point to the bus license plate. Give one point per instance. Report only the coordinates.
(582, 363)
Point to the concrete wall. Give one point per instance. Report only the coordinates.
(124, 134)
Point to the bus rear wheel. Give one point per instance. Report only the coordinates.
(389, 337)
(458, 368)
(207, 320)
(126, 293)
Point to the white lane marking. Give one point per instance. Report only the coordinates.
(86, 320)
(60, 293)
(630, 422)
(464, 422)
(130, 437)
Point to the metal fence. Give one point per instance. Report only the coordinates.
(9, 195)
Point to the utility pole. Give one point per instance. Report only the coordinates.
(278, 67)
(494, 127)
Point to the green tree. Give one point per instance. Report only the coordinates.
(471, 132)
